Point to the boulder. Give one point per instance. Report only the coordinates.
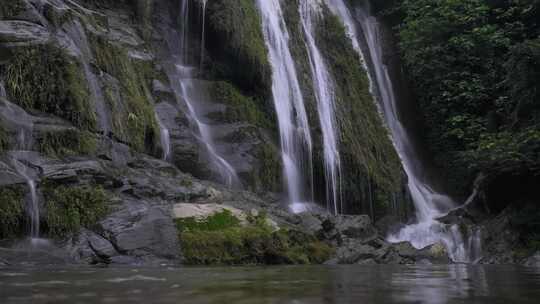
(139, 229)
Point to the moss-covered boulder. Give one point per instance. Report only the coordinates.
(221, 239)
(70, 208)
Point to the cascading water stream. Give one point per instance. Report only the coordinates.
(295, 137)
(32, 208)
(429, 204)
(324, 94)
(187, 92)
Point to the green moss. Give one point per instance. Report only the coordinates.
(220, 240)
(44, 78)
(237, 41)
(217, 221)
(11, 8)
(134, 122)
(240, 108)
(70, 208)
(11, 212)
(67, 143)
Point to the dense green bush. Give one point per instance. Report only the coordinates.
(70, 208)
(221, 240)
(44, 78)
(475, 68)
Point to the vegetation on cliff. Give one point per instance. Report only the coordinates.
(44, 78)
(70, 208)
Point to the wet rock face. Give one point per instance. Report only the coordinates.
(359, 242)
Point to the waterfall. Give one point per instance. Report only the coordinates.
(429, 203)
(324, 94)
(188, 91)
(165, 139)
(32, 208)
(294, 131)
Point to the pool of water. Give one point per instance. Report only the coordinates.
(292, 284)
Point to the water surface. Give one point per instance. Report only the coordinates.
(295, 285)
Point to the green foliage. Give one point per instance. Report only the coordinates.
(217, 221)
(11, 212)
(475, 67)
(240, 108)
(239, 42)
(68, 142)
(220, 240)
(133, 122)
(44, 78)
(70, 208)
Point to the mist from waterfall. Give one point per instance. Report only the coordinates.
(187, 90)
(325, 96)
(429, 203)
(294, 131)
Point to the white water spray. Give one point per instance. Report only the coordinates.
(295, 137)
(324, 94)
(429, 204)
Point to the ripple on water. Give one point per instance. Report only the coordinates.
(136, 278)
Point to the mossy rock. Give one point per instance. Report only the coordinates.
(240, 108)
(70, 208)
(133, 116)
(220, 240)
(12, 215)
(69, 142)
(237, 42)
(46, 79)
